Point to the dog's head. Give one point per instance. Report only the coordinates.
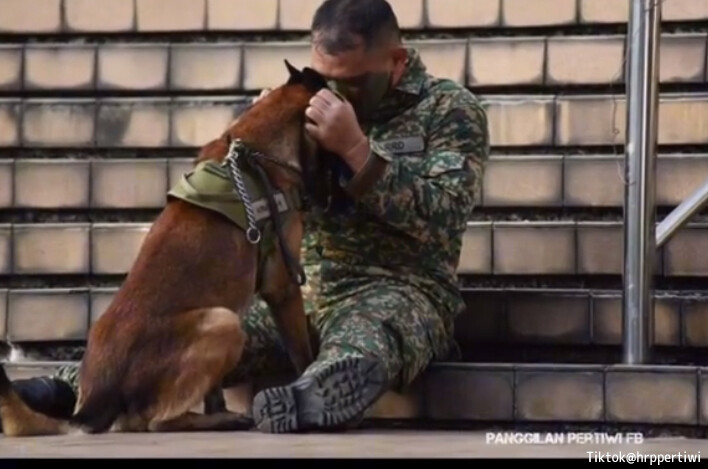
(275, 125)
(321, 169)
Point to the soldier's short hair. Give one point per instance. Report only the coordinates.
(339, 25)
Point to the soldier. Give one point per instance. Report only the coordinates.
(382, 293)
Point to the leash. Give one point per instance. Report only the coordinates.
(253, 234)
(297, 273)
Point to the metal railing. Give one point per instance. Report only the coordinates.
(642, 237)
(643, 34)
(681, 215)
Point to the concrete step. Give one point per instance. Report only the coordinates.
(498, 248)
(566, 393)
(524, 393)
(504, 317)
(577, 181)
(588, 319)
(92, 183)
(543, 60)
(510, 181)
(193, 16)
(530, 248)
(548, 121)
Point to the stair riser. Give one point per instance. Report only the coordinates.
(581, 318)
(489, 248)
(190, 16)
(226, 66)
(560, 122)
(590, 394)
(493, 317)
(550, 182)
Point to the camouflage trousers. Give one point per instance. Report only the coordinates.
(381, 318)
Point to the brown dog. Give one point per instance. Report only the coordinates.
(173, 330)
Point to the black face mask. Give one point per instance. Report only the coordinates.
(369, 94)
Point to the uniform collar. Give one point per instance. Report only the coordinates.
(407, 92)
(414, 76)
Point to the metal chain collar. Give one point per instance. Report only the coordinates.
(253, 234)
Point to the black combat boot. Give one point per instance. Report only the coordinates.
(328, 400)
(47, 395)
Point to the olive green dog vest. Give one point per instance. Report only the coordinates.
(208, 186)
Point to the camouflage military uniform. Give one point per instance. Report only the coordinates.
(382, 277)
(386, 271)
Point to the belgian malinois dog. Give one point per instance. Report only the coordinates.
(173, 330)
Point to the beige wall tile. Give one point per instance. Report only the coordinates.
(52, 183)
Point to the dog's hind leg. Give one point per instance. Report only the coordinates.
(211, 346)
(214, 402)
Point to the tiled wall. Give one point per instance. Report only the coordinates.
(53, 16)
(101, 116)
(237, 66)
(515, 121)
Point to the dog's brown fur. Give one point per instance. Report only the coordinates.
(173, 330)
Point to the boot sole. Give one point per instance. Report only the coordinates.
(337, 395)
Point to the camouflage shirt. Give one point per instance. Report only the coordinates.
(412, 199)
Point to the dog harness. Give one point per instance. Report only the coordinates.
(210, 186)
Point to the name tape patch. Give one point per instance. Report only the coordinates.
(404, 144)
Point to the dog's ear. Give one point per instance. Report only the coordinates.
(312, 80)
(296, 76)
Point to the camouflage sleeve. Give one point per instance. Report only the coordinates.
(415, 196)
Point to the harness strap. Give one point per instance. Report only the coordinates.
(296, 271)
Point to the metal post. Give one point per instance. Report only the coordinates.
(639, 218)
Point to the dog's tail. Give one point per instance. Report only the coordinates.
(98, 412)
(18, 419)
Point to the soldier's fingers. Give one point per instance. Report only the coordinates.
(320, 103)
(327, 96)
(340, 109)
(313, 130)
(315, 114)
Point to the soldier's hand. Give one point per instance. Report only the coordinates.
(334, 126)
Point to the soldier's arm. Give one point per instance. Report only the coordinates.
(439, 190)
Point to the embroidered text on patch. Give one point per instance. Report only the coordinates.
(404, 145)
